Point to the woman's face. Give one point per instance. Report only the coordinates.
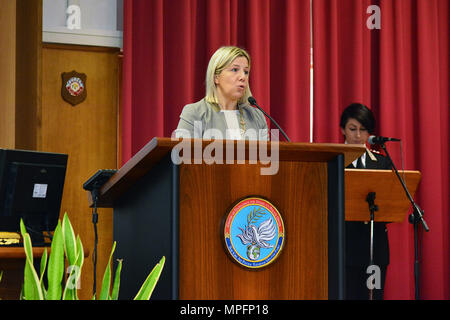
(354, 132)
(233, 80)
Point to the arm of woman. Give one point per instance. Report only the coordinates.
(190, 122)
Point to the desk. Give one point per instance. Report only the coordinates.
(12, 263)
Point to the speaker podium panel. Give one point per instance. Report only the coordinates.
(166, 208)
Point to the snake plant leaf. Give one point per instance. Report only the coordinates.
(43, 264)
(32, 289)
(80, 257)
(44, 259)
(70, 290)
(69, 293)
(31, 286)
(149, 285)
(70, 245)
(106, 283)
(116, 283)
(55, 271)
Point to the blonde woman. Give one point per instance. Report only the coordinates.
(224, 112)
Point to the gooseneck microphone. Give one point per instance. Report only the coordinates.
(252, 101)
(380, 140)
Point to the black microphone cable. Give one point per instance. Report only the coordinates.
(94, 257)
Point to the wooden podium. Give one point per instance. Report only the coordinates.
(176, 210)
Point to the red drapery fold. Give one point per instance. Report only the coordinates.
(401, 72)
(167, 46)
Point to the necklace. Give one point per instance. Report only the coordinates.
(242, 122)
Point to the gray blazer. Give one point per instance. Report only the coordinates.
(204, 120)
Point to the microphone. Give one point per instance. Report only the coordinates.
(380, 139)
(252, 101)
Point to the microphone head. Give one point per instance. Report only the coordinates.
(371, 140)
(380, 139)
(252, 100)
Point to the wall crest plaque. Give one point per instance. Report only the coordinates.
(73, 88)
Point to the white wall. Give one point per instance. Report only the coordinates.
(101, 22)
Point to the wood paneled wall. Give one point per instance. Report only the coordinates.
(20, 40)
(7, 73)
(28, 68)
(88, 133)
(34, 116)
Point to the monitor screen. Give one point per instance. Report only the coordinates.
(31, 187)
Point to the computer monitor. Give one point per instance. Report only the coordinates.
(31, 188)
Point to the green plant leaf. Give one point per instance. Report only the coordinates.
(71, 287)
(32, 289)
(106, 283)
(149, 285)
(69, 293)
(44, 259)
(31, 286)
(56, 265)
(65, 243)
(43, 264)
(70, 245)
(116, 283)
(80, 257)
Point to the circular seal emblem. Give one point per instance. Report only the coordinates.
(254, 233)
(75, 86)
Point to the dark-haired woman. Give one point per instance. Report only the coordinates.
(357, 123)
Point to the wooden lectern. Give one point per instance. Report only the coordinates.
(176, 210)
(391, 200)
(377, 196)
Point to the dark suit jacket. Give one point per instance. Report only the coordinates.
(358, 233)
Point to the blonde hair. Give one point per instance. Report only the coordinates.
(221, 59)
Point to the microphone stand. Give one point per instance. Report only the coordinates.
(95, 193)
(414, 218)
(273, 120)
(252, 101)
(372, 208)
(93, 185)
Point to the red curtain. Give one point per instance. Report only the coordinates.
(167, 46)
(401, 72)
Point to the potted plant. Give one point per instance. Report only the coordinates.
(65, 246)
